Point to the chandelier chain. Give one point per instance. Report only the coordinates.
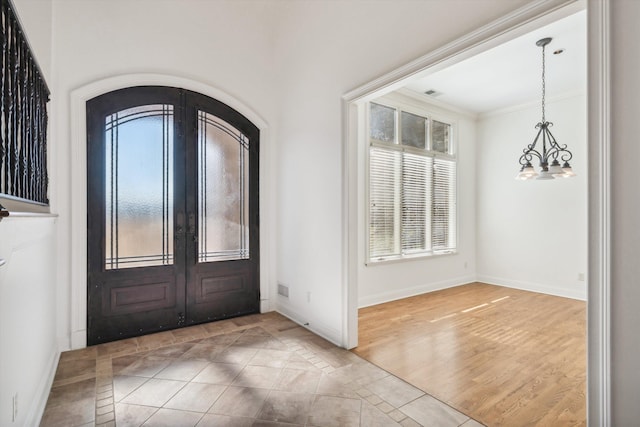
(543, 84)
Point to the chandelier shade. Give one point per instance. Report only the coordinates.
(552, 157)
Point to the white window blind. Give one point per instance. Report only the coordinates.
(383, 199)
(416, 192)
(443, 205)
(412, 189)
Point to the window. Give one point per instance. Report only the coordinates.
(23, 117)
(412, 184)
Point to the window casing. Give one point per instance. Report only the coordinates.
(412, 184)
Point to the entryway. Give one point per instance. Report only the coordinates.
(172, 211)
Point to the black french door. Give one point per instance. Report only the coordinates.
(173, 224)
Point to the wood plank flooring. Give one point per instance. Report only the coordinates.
(502, 356)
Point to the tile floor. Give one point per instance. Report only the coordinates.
(259, 370)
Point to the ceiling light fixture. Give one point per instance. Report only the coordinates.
(552, 152)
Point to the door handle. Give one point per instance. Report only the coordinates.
(192, 224)
(179, 223)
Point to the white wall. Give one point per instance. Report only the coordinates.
(291, 62)
(226, 45)
(325, 49)
(386, 281)
(28, 346)
(35, 17)
(532, 234)
(625, 212)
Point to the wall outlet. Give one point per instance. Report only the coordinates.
(14, 415)
(308, 296)
(581, 277)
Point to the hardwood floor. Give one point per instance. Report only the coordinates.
(502, 356)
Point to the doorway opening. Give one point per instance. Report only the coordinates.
(399, 91)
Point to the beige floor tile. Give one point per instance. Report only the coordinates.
(274, 380)
(253, 341)
(472, 423)
(298, 380)
(361, 372)
(239, 355)
(189, 333)
(73, 392)
(240, 401)
(286, 407)
(71, 368)
(72, 413)
(222, 339)
(173, 418)
(271, 358)
(429, 411)
(203, 351)
(133, 415)
(156, 340)
(196, 397)
(257, 331)
(371, 416)
(334, 387)
(123, 385)
(214, 420)
(182, 370)
(257, 377)
(410, 422)
(218, 373)
(395, 391)
(171, 351)
(332, 411)
(264, 423)
(127, 346)
(123, 362)
(84, 353)
(146, 367)
(154, 392)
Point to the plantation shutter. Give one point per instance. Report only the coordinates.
(443, 211)
(384, 194)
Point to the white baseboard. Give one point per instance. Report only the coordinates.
(397, 294)
(78, 339)
(578, 294)
(330, 334)
(36, 409)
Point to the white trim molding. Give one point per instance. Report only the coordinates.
(79, 98)
(577, 294)
(599, 133)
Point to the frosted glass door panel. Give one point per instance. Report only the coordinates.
(139, 187)
(223, 190)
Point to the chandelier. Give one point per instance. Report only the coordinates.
(551, 153)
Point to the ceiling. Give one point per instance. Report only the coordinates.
(510, 74)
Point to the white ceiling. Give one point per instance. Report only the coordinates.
(510, 74)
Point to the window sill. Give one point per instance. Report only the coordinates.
(21, 207)
(407, 258)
